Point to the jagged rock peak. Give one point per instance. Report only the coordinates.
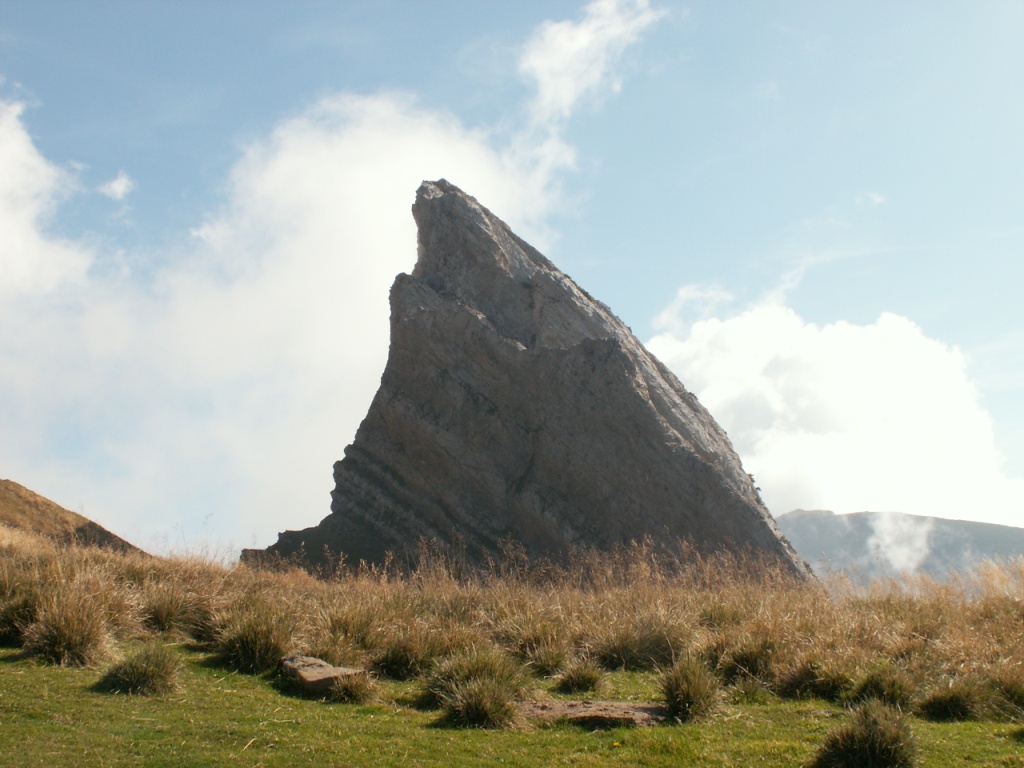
(515, 406)
(468, 254)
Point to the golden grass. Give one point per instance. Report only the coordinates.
(26, 510)
(756, 628)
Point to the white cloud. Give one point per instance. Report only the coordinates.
(571, 59)
(565, 61)
(874, 199)
(118, 188)
(902, 541)
(846, 417)
(32, 264)
(236, 378)
(703, 300)
(224, 387)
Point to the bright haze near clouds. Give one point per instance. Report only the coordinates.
(814, 213)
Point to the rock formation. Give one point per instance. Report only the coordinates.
(515, 406)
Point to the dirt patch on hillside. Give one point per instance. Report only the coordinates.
(595, 714)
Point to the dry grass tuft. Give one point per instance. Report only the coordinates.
(70, 627)
(480, 703)
(877, 736)
(484, 662)
(580, 675)
(690, 690)
(958, 700)
(408, 651)
(151, 671)
(479, 687)
(1007, 682)
(641, 641)
(255, 633)
(639, 608)
(354, 689)
(813, 678)
(752, 657)
(887, 684)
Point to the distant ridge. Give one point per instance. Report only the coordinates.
(873, 544)
(26, 510)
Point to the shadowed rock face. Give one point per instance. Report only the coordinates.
(515, 406)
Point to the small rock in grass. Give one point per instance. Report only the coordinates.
(314, 676)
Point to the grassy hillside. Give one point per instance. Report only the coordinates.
(26, 510)
(784, 665)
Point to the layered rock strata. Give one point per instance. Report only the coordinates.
(516, 406)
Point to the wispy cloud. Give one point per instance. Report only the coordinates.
(902, 541)
(568, 60)
(31, 188)
(565, 62)
(873, 199)
(118, 187)
(691, 302)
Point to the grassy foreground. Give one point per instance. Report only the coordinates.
(49, 716)
(789, 660)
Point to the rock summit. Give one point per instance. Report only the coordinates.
(514, 406)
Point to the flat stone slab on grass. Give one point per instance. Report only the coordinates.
(595, 714)
(315, 676)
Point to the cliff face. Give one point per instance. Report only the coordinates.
(515, 406)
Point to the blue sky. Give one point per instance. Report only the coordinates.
(813, 212)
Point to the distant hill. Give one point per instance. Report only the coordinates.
(25, 510)
(876, 544)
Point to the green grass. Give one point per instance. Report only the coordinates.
(49, 716)
(788, 654)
